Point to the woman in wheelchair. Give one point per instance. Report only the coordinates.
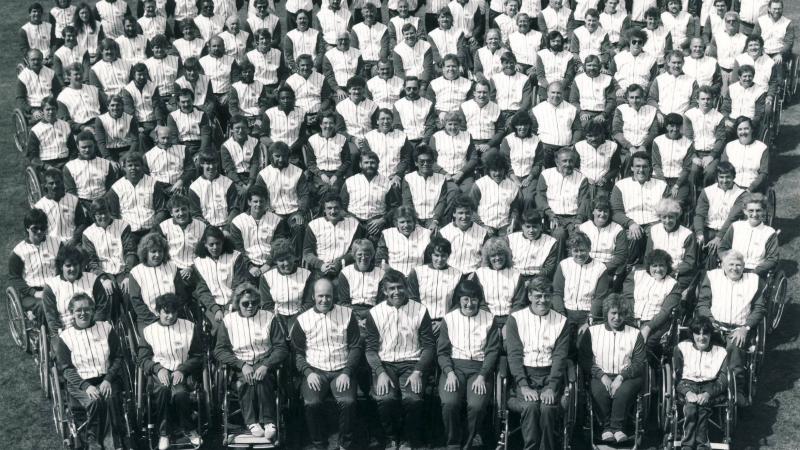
(169, 354)
(672, 237)
(50, 143)
(754, 239)
(612, 355)
(251, 343)
(732, 299)
(653, 294)
(579, 284)
(90, 360)
(749, 156)
(702, 377)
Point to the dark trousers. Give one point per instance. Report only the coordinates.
(539, 422)
(401, 409)
(257, 400)
(315, 408)
(453, 404)
(695, 423)
(173, 407)
(611, 412)
(101, 415)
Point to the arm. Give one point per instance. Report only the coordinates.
(638, 361)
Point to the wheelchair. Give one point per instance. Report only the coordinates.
(503, 416)
(776, 298)
(21, 129)
(234, 431)
(31, 337)
(793, 76)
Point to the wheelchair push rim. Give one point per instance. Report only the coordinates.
(20, 131)
(43, 361)
(778, 303)
(33, 186)
(16, 320)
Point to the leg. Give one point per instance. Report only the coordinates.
(315, 411)
(690, 418)
(452, 407)
(265, 394)
(346, 402)
(247, 399)
(477, 407)
(601, 402)
(161, 397)
(98, 430)
(413, 408)
(182, 408)
(624, 398)
(548, 423)
(388, 405)
(529, 421)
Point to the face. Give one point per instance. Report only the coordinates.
(385, 122)
(462, 217)
(745, 132)
(85, 14)
(49, 112)
(445, 21)
(333, 210)
(335, 4)
(82, 313)
(592, 67)
(566, 162)
(405, 225)
(305, 67)
(725, 180)
(658, 270)
(216, 47)
(385, 70)
(323, 296)
(69, 38)
(557, 44)
(532, 230)
(512, 7)
(410, 36)
(395, 293)
(540, 302)
(71, 270)
(328, 127)
(248, 305)
(734, 268)
(720, 7)
(36, 233)
(493, 40)
(439, 260)
(207, 8)
(731, 24)
(162, 138)
(369, 167)
(369, 16)
(129, 28)
(555, 94)
(498, 261)
(356, 94)
(580, 253)
(753, 47)
(167, 318)
(755, 213)
(509, 66)
(257, 204)
(705, 101)
(746, 78)
(522, 131)
(115, 108)
(35, 60)
(343, 42)
(469, 306)
(614, 318)
(155, 256)
(133, 169)
(280, 159)
(159, 52)
(303, 22)
(412, 89)
(210, 170)
(675, 65)
(35, 16)
(402, 9)
(641, 169)
(670, 221)
(233, 24)
(673, 131)
(214, 246)
(776, 10)
(248, 72)
(150, 9)
(240, 131)
(86, 149)
(497, 174)
(697, 48)
(53, 187)
(452, 127)
(181, 215)
(450, 69)
(523, 23)
(108, 54)
(425, 164)
(102, 219)
(185, 103)
(481, 94)
(674, 7)
(363, 259)
(611, 6)
(652, 22)
(286, 265)
(188, 33)
(595, 140)
(592, 23)
(600, 217)
(702, 340)
(636, 45)
(262, 8)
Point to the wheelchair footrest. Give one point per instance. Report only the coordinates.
(249, 441)
(714, 445)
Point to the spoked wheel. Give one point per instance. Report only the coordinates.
(777, 116)
(16, 320)
(59, 420)
(795, 74)
(778, 302)
(43, 361)
(772, 206)
(33, 186)
(207, 396)
(20, 131)
(666, 397)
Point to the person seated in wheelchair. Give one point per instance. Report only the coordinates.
(146, 102)
(218, 268)
(777, 31)
(251, 343)
(170, 355)
(537, 340)
(580, 284)
(402, 247)
(732, 299)
(612, 355)
(767, 73)
(68, 54)
(71, 278)
(745, 98)
(155, 275)
(50, 141)
(241, 154)
(327, 241)
(749, 156)
(287, 288)
(253, 231)
(561, 194)
(327, 343)
(89, 176)
(109, 245)
(189, 125)
(718, 206)
(90, 359)
(609, 239)
(672, 237)
(137, 198)
(672, 154)
(401, 358)
(327, 156)
(37, 34)
(754, 239)
(65, 219)
(502, 284)
(35, 82)
(433, 284)
(702, 375)
(468, 348)
(32, 262)
(213, 196)
(497, 197)
(183, 233)
(535, 253)
(599, 159)
(171, 164)
(704, 126)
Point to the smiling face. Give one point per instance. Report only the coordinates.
(49, 113)
(540, 302)
(592, 67)
(600, 217)
(670, 221)
(481, 94)
(167, 318)
(396, 293)
(636, 45)
(566, 163)
(155, 256)
(641, 169)
(658, 270)
(555, 94)
(755, 213)
(462, 217)
(323, 296)
(746, 78)
(425, 164)
(675, 65)
(385, 70)
(744, 131)
(439, 260)
(733, 268)
(532, 230)
(557, 44)
(369, 166)
(216, 47)
(615, 318)
(702, 340)
(181, 215)
(249, 304)
(493, 40)
(71, 270)
(580, 253)
(343, 42)
(469, 306)
(240, 131)
(725, 181)
(450, 69)
(82, 314)
(498, 261)
(333, 211)
(405, 225)
(445, 21)
(327, 127)
(286, 265)
(363, 259)
(209, 169)
(116, 108)
(214, 246)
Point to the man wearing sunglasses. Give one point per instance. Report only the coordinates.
(414, 114)
(634, 65)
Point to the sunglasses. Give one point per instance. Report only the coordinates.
(637, 42)
(248, 304)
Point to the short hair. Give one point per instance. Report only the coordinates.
(755, 197)
(99, 205)
(74, 67)
(115, 98)
(35, 6)
(71, 253)
(384, 111)
(579, 239)
(191, 63)
(132, 157)
(208, 157)
(553, 35)
(567, 151)
(701, 325)
(80, 297)
(369, 154)
(85, 135)
(633, 88)
(496, 246)
(595, 129)
(411, 78)
(451, 57)
(178, 201)
(159, 40)
(521, 118)
(304, 56)
(730, 14)
(531, 216)
(740, 120)
(328, 114)
(168, 302)
(507, 56)
(673, 119)
(658, 256)
(754, 38)
(592, 58)
(186, 92)
(263, 33)
(35, 217)
(592, 12)
(732, 254)
(257, 190)
(467, 288)
(356, 81)
(52, 172)
(602, 203)
(238, 120)
(393, 276)
(370, 7)
(285, 88)
(637, 33)
(539, 283)
(615, 300)
(152, 240)
(726, 168)
(668, 206)
(247, 65)
(69, 29)
(455, 116)
(423, 149)
(445, 11)
(652, 12)
(329, 197)
(408, 27)
(495, 161)
(463, 201)
(405, 212)
(438, 244)
(107, 44)
(242, 290)
(282, 249)
(362, 245)
(707, 89)
(278, 146)
(674, 54)
(213, 232)
(483, 82)
(642, 155)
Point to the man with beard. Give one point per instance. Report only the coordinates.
(326, 246)
(413, 114)
(562, 194)
(368, 196)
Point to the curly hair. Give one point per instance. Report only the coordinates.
(496, 246)
(151, 241)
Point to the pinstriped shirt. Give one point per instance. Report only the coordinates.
(388, 147)
(38, 86)
(446, 41)
(369, 39)
(182, 241)
(674, 92)
(468, 335)
(187, 49)
(490, 61)
(152, 26)
(385, 92)
(425, 192)
(743, 100)
(649, 294)
(82, 105)
(113, 76)
(530, 255)
(333, 240)
(555, 122)
(450, 94)
(677, 25)
(132, 49)
(285, 127)
(218, 70)
(39, 260)
(701, 366)
(241, 154)
(87, 40)
(636, 124)
(287, 290)
(398, 330)
(557, 19)
(218, 275)
(593, 91)
(367, 197)
(107, 244)
(751, 241)
(656, 44)
(357, 117)
(89, 348)
(144, 109)
(763, 65)
(249, 336)
(248, 95)
(729, 47)
(62, 17)
(213, 198)
(670, 241)
(613, 24)
(495, 205)
(522, 153)
(344, 64)
(731, 300)
(363, 285)
(163, 72)
(269, 23)
(326, 337)
(69, 56)
(64, 290)
(226, 8)
(185, 9)
(580, 283)
(199, 88)
(555, 64)
(746, 159)
(257, 235)
(603, 239)
(720, 203)
(111, 15)
(188, 124)
(538, 335)
(166, 165)
(590, 42)
(332, 23)
(700, 70)
(171, 343)
(90, 176)
(436, 288)
(509, 90)
(498, 288)
(60, 216)
(209, 26)
(39, 36)
(412, 57)
(308, 92)
(704, 127)
(304, 42)
(405, 253)
(633, 69)
(464, 15)
(452, 150)
(116, 129)
(466, 245)
(235, 44)
(673, 152)
(562, 190)
(155, 281)
(266, 64)
(751, 10)
(612, 350)
(640, 199)
(282, 187)
(413, 115)
(525, 46)
(52, 139)
(136, 202)
(595, 162)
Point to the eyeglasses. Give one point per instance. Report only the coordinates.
(423, 162)
(248, 304)
(636, 42)
(83, 311)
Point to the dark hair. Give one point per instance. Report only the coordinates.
(78, 297)
(438, 244)
(369, 154)
(278, 146)
(467, 288)
(539, 283)
(159, 40)
(579, 238)
(208, 157)
(740, 120)
(239, 120)
(99, 205)
(281, 249)
(34, 6)
(213, 232)
(658, 256)
(725, 167)
(35, 217)
(329, 197)
(521, 118)
(652, 12)
(615, 300)
(495, 161)
(356, 81)
(595, 129)
(423, 149)
(633, 88)
(642, 155)
(701, 324)
(602, 203)
(85, 135)
(177, 201)
(68, 252)
(168, 302)
(257, 190)
(393, 276)
(531, 216)
(673, 119)
(76, 18)
(463, 201)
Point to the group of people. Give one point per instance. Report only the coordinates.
(372, 199)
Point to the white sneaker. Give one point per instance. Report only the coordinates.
(270, 431)
(607, 436)
(256, 430)
(194, 438)
(620, 436)
(163, 443)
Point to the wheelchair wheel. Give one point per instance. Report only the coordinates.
(570, 401)
(218, 134)
(33, 185)
(772, 206)
(59, 411)
(777, 301)
(43, 362)
(795, 76)
(205, 401)
(777, 115)
(16, 320)
(665, 408)
(20, 131)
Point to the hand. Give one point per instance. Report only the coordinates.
(374, 226)
(40, 294)
(124, 286)
(601, 119)
(700, 239)
(255, 272)
(343, 382)
(36, 115)
(186, 273)
(332, 180)
(395, 180)
(324, 178)
(778, 58)
(177, 377)
(691, 397)
(297, 219)
(739, 336)
(553, 222)
(105, 389)
(526, 181)
(451, 383)
(514, 178)
(635, 231)
(713, 244)
(606, 380)
(260, 373)
(436, 325)
(218, 316)
(528, 394)
(415, 380)
(163, 376)
(176, 187)
(433, 226)
(645, 331)
(548, 397)
(703, 398)
(768, 103)
(673, 191)
(340, 95)
(457, 176)
(615, 385)
(384, 384)
(585, 117)
(93, 393)
(314, 381)
(327, 267)
(247, 373)
(108, 287)
(479, 385)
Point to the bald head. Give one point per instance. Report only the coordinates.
(323, 295)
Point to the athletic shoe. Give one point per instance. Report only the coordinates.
(163, 443)
(607, 436)
(620, 436)
(256, 430)
(194, 438)
(270, 431)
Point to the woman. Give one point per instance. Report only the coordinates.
(155, 275)
(457, 155)
(612, 357)
(669, 235)
(391, 146)
(218, 268)
(580, 284)
(754, 239)
(358, 285)
(70, 279)
(402, 247)
(89, 31)
(609, 239)
(525, 155)
(286, 289)
(111, 73)
(749, 156)
(251, 342)
(144, 100)
(502, 284)
(109, 245)
(654, 294)
(433, 284)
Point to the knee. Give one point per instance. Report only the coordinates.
(412, 400)
(312, 402)
(559, 232)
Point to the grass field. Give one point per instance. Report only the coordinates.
(772, 422)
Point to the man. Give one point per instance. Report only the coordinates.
(705, 127)
(285, 122)
(633, 66)
(169, 163)
(328, 348)
(332, 22)
(599, 158)
(400, 356)
(557, 122)
(138, 199)
(253, 231)
(89, 176)
(368, 196)
(358, 113)
(427, 192)
(79, 104)
(594, 93)
(199, 84)
(451, 90)
(672, 91)
(34, 83)
(466, 237)
(727, 44)
(326, 246)
(312, 92)
(247, 96)
(213, 196)
(562, 194)
(221, 70)
(50, 141)
(778, 32)
(635, 124)
(414, 114)
(385, 87)
(554, 63)
(718, 206)
(413, 56)
(65, 221)
(498, 199)
(745, 98)
(341, 63)
(512, 89)
(189, 125)
(371, 37)
(537, 342)
(703, 69)
(590, 39)
(482, 116)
